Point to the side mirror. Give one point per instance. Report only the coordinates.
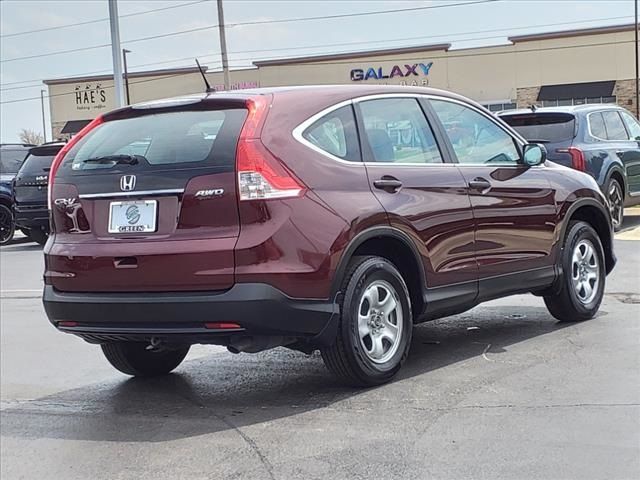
(534, 154)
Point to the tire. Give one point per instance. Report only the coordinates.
(132, 358)
(26, 232)
(582, 263)
(38, 236)
(615, 198)
(366, 355)
(7, 225)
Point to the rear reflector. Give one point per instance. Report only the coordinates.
(578, 161)
(222, 326)
(67, 324)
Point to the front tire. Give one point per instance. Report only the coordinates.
(132, 358)
(374, 334)
(583, 276)
(615, 198)
(7, 225)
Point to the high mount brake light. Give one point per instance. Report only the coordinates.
(260, 174)
(57, 161)
(578, 161)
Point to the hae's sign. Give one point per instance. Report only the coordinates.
(90, 96)
(407, 72)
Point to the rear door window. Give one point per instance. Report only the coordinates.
(615, 127)
(596, 124)
(543, 127)
(11, 160)
(182, 139)
(336, 134)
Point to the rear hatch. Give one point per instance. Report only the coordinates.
(147, 201)
(30, 188)
(555, 130)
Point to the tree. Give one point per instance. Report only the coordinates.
(30, 136)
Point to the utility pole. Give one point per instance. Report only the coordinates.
(126, 74)
(637, 67)
(44, 124)
(223, 46)
(116, 53)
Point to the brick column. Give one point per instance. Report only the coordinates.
(625, 92)
(528, 96)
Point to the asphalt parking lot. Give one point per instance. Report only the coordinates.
(500, 392)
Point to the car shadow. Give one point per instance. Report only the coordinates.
(631, 219)
(224, 391)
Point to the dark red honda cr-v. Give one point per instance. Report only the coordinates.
(331, 218)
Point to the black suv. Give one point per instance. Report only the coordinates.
(11, 157)
(30, 192)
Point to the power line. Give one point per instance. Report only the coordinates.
(258, 22)
(336, 44)
(88, 22)
(324, 63)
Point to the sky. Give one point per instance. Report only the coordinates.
(474, 24)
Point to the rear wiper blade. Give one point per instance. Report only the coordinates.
(126, 159)
(538, 140)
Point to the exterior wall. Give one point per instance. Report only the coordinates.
(527, 96)
(625, 93)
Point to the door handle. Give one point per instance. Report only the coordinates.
(480, 183)
(388, 183)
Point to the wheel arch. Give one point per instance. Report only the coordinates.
(397, 247)
(617, 172)
(595, 214)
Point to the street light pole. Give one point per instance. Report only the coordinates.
(126, 74)
(115, 53)
(223, 46)
(44, 124)
(637, 67)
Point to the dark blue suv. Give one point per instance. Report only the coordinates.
(601, 140)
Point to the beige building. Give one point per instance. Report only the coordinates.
(560, 68)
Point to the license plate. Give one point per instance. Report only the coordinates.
(137, 216)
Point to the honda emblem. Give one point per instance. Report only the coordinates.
(127, 183)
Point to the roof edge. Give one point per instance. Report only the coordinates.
(572, 33)
(347, 55)
(148, 73)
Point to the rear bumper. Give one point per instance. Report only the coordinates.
(31, 217)
(259, 309)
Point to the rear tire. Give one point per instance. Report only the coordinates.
(615, 197)
(374, 334)
(7, 225)
(38, 236)
(132, 358)
(583, 276)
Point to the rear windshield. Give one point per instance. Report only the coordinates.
(10, 160)
(170, 140)
(36, 164)
(543, 127)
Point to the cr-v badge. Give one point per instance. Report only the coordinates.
(127, 183)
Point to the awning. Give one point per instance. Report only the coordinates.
(576, 90)
(74, 126)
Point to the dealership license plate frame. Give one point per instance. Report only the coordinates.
(147, 228)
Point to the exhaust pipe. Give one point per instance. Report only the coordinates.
(257, 344)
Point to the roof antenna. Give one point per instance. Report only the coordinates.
(532, 107)
(209, 89)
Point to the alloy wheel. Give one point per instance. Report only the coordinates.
(585, 271)
(6, 225)
(380, 321)
(615, 198)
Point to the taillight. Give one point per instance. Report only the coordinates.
(57, 161)
(260, 174)
(578, 161)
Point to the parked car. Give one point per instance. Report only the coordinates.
(11, 157)
(601, 140)
(30, 192)
(331, 218)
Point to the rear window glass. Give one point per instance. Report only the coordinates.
(335, 133)
(543, 127)
(183, 139)
(10, 160)
(36, 164)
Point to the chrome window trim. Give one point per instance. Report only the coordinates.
(141, 193)
(605, 125)
(298, 131)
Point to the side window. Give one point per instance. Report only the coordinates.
(397, 131)
(336, 134)
(614, 126)
(632, 125)
(596, 125)
(475, 138)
